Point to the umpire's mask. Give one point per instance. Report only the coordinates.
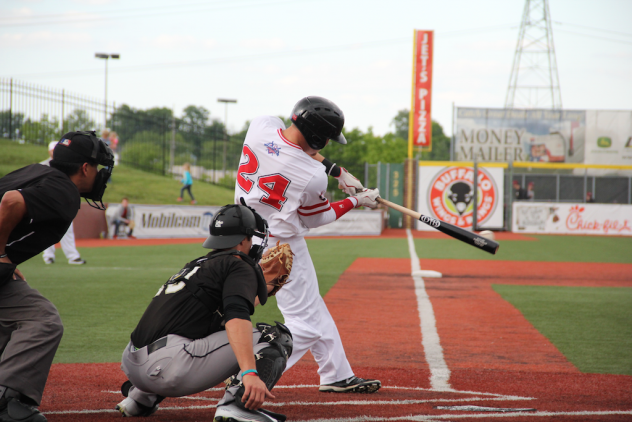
(84, 146)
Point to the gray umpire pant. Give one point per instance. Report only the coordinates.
(30, 332)
(183, 367)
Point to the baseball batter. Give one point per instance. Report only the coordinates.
(282, 177)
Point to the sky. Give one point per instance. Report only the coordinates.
(267, 54)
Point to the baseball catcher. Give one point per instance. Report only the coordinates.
(179, 346)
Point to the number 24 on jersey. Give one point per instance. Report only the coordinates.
(274, 186)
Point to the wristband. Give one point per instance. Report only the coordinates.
(249, 371)
(4, 255)
(332, 169)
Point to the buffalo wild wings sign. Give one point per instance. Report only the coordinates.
(446, 193)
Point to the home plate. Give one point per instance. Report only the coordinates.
(482, 409)
(427, 274)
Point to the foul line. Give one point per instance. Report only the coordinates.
(439, 371)
(422, 418)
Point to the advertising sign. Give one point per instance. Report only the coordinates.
(556, 136)
(165, 221)
(420, 123)
(609, 137)
(353, 223)
(446, 193)
(557, 218)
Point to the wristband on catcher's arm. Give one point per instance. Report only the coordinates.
(332, 169)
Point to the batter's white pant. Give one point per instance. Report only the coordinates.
(308, 318)
(67, 245)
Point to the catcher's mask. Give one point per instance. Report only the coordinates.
(84, 146)
(232, 224)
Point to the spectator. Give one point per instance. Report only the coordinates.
(123, 217)
(589, 198)
(520, 192)
(68, 241)
(105, 135)
(37, 206)
(186, 181)
(114, 140)
(530, 191)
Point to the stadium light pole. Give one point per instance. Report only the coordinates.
(226, 101)
(106, 57)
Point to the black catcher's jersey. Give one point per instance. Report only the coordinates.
(188, 303)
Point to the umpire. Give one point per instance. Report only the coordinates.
(37, 205)
(196, 331)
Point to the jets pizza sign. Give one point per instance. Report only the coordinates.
(447, 193)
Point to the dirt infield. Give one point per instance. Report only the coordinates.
(498, 362)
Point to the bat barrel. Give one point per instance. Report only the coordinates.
(463, 235)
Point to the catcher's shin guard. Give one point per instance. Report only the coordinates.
(270, 361)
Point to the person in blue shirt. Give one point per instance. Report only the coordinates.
(186, 181)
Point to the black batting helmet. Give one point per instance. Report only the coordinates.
(318, 120)
(232, 224)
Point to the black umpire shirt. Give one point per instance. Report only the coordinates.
(175, 310)
(52, 202)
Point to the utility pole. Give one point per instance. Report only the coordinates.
(534, 82)
(225, 101)
(106, 56)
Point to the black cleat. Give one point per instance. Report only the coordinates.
(352, 385)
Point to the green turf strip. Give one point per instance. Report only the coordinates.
(591, 326)
(101, 302)
(557, 248)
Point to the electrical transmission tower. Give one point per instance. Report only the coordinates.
(534, 82)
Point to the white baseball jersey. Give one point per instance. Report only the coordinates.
(284, 184)
(287, 187)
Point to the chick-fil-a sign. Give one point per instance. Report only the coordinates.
(577, 222)
(599, 219)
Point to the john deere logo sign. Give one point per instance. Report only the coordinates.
(451, 197)
(604, 142)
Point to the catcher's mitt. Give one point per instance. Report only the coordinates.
(276, 263)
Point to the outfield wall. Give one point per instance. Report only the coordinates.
(562, 218)
(172, 221)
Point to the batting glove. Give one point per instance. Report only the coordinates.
(349, 184)
(367, 198)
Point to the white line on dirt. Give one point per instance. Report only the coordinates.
(422, 418)
(384, 387)
(439, 371)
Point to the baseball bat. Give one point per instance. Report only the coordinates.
(456, 232)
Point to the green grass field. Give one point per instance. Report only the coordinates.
(101, 302)
(591, 326)
(139, 186)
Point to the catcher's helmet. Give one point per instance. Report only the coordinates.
(232, 224)
(318, 120)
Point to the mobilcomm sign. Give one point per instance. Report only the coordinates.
(172, 221)
(163, 221)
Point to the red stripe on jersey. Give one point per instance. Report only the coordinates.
(307, 214)
(311, 207)
(342, 207)
(286, 141)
